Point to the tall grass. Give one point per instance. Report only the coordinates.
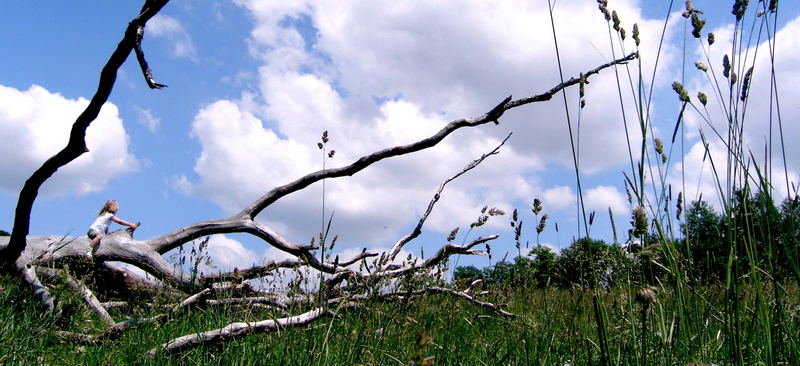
(753, 298)
(557, 328)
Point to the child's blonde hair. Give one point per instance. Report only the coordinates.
(110, 206)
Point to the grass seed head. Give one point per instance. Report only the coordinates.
(711, 39)
(636, 33)
(639, 221)
(748, 76)
(604, 10)
(702, 97)
(537, 206)
(615, 19)
(628, 192)
(682, 94)
(496, 212)
(701, 66)
(739, 8)
(452, 235)
(697, 25)
(647, 295)
(689, 9)
(542, 224)
(726, 66)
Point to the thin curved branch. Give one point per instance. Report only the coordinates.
(466, 296)
(148, 74)
(492, 116)
(445, 291)
(443, 253)
(91, 300)
(418, 229)
(192, 300)
(275, 303)
(237, 330)
(269, 267)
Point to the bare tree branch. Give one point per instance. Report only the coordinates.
(418, 229)
(259, 205)
(236, 330)
(466, 296)
(90, 299)
(192, 300)
(39, 290)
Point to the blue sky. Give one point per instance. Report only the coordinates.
(253, 83)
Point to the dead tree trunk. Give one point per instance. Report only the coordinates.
(76, 146)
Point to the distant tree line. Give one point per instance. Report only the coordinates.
(753, 233)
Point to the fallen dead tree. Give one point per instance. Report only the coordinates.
(343, 285)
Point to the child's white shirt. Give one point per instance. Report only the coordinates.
(102, 222)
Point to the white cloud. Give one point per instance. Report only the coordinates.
(601, 198)
(167, 27)
(559, 197)
(35, 124)
(379, 74)
(146, 118)
(228, 254)
(526, 251)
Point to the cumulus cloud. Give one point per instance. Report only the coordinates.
(379, 74)
(228, 254)
(601, 198)
(426, 53)
(559, 197)
(171, 29)
(146, 118)
(35, 124)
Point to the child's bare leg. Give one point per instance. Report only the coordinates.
(95, 241)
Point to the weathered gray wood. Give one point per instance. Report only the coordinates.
(91, 300)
